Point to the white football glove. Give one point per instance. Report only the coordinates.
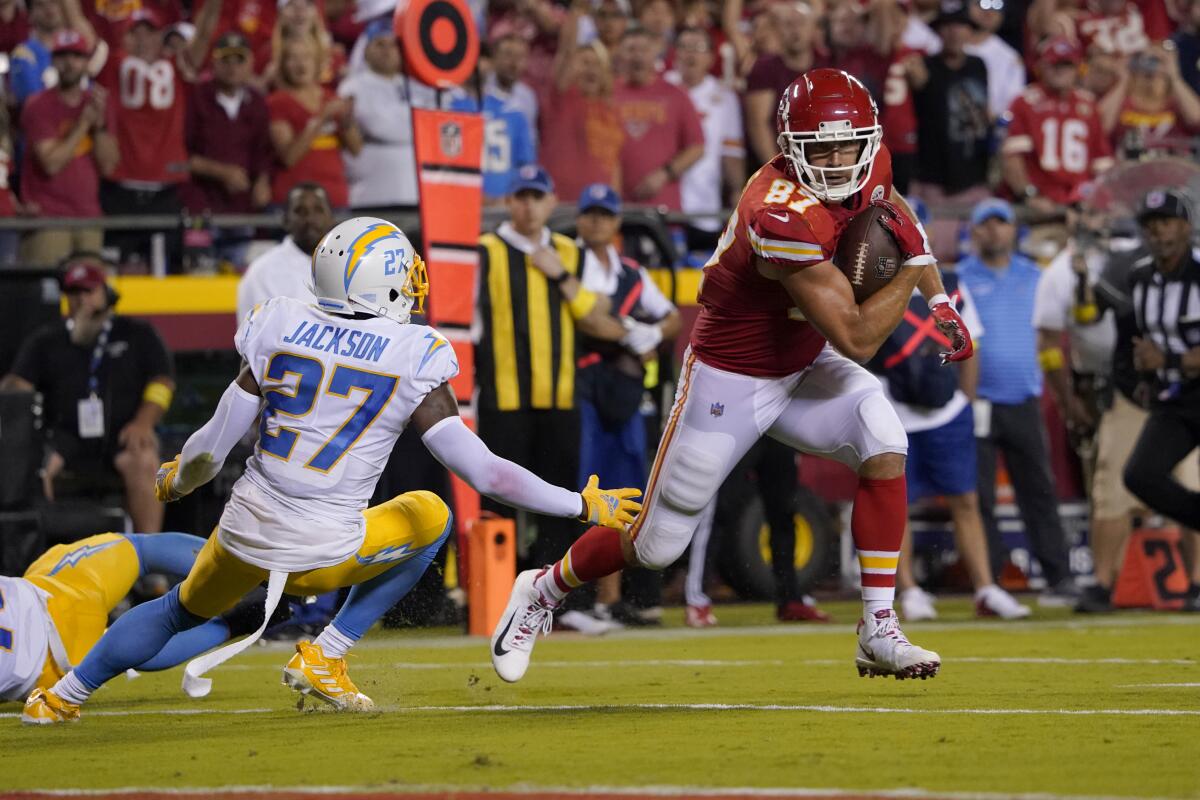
(642, 337)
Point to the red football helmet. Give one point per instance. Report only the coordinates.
(828, 105)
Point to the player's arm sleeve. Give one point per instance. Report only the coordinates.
(782, 237)
(462, 452)
(205, 450)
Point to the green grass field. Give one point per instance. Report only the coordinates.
(1055, 706)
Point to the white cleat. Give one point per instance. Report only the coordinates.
(523, 619)
(916, 605)
(992, 601)
(884, 650)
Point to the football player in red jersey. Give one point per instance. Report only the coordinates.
(774, 353)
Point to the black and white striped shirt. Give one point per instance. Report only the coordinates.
(1167, 311)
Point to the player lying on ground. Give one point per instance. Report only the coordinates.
(52, 616)
(773, 353)
(340, 381)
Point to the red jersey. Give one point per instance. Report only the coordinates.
(748, 324)
(73, 191)
(898, 114)
(110, 18)
(8, 207)
(321, 164)
(1123, 34)
(1061, 139)
(150, 98)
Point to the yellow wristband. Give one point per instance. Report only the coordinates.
(650, 380)
(583, 302)
(158, 393)
(1086, 314)
(1051, 359)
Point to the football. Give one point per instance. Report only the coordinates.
(867, 254)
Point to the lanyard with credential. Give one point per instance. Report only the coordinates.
(98, 359)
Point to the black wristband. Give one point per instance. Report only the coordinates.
(561, 279)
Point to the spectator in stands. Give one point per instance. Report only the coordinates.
(663, 137)
(310, 126)
(1116, 26)
(9, 207)
(112, 20)
(657, 18)
(953, 125)
(860, 40)
(1166, 354)
(68, 147)
(1187, 43)
(300, 21)
(610, 379)
(384, 173)
(772, 73)
(106, 381)
(32, 67)
(715, 181)
(14, 25)
(525, 351)
(510, 55)
(611, 18)
(1003, 284)
(286, 269)
(1101, 71)
(1151, 110)
(581, 140)
(1005, 69)
(1054, 141)
(254, 19)
(539, 23)
(508, 144)
(229, 144)
(150, 95)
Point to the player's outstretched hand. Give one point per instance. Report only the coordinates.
(951, 325)
(908, 233)
(610, 508)
(164, 481)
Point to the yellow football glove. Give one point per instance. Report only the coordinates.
(611, 508)
(164, 481)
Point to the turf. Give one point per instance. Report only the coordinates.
(771, 706)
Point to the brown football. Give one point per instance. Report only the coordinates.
(867, 254)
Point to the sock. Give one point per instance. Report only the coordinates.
(333, 642)
(595, 554)
(187, 645)
(72, 690)
(370, 600)
(877, 525)
(165, 553)
(134, 639)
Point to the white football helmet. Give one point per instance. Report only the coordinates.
(368, 265)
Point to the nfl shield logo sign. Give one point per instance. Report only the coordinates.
(717, 409)
(451, 139)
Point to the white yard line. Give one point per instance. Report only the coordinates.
(1158, 685)
(568, 791)
(817, 709)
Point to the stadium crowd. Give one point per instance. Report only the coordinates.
(1005, 109)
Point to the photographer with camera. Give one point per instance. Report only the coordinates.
(106, 381)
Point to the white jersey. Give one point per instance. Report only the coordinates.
(338, 392)
(24, 637)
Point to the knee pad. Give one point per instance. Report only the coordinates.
(880, 430)
(696, 471)
(663, 541)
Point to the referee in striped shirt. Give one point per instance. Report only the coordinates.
(1165, 330)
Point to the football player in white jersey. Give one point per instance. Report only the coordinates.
(330, 387)
(51, 616)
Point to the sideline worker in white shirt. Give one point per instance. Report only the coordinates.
(286, 269)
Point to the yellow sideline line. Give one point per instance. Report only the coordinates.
(143, 295)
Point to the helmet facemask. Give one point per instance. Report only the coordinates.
(397, 304)
(818, 179)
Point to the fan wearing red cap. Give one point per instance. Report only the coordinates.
(106, 380)
(1055, 140)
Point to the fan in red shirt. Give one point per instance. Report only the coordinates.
(1151, 110)
(14, 25)
(310, 126)
(1055, 141)
(774, 354)
(112, 19)
(149, 92)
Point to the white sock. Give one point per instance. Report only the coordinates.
(72, 690)
(333, 642)
(983, 591)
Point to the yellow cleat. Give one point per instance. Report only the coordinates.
(311, 673)
(46, 708)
